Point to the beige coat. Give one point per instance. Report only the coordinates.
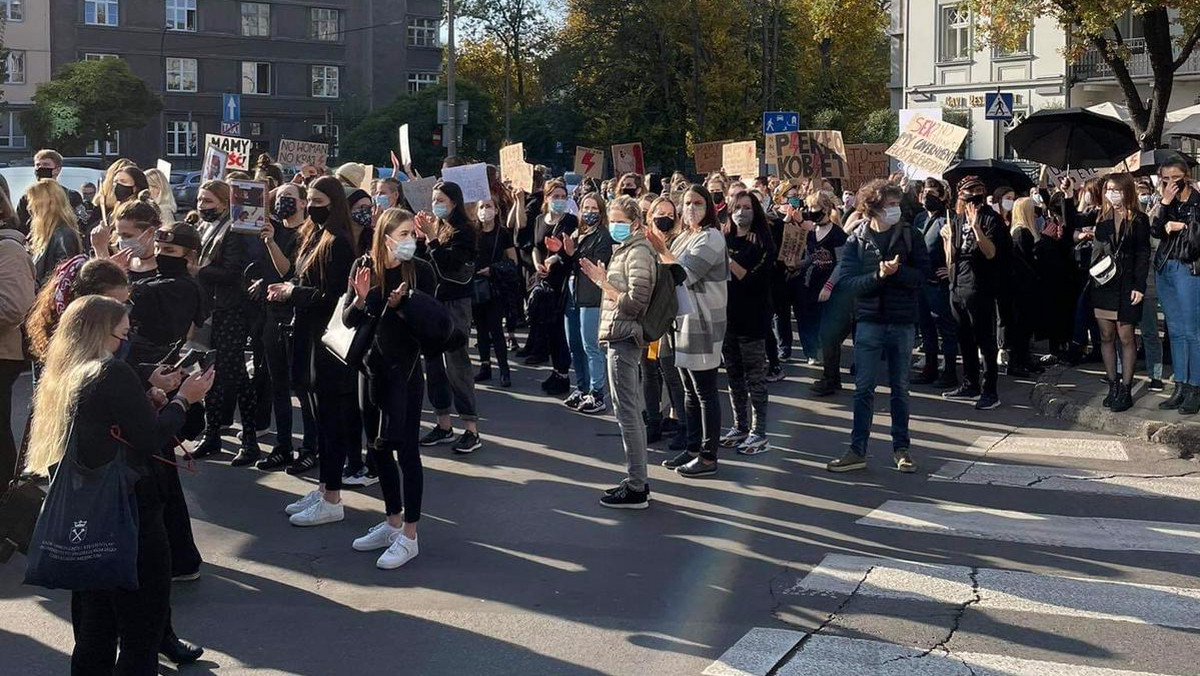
(631, 271)
(16, 292)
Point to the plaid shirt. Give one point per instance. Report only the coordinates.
(700, 333)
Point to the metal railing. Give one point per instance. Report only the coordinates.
(1091, 65)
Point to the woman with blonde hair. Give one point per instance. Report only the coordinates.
(1025, 304)
(160, 193)
(658, 368)
(90, 395)
(104, 201)
(53, 231)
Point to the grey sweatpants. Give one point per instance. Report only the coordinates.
(450, 376)
(625, 384)
(746, 366)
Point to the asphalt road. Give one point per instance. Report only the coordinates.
(773, 566)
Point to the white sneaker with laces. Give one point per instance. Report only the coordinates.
(320, 512)
(401, 551)
(732, 437)
(754, 444)
(303, 503)
(381, 535)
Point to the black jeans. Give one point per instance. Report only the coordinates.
(185, 556)
(134, 620)
(976, 319)
(339, 424)
(836, 323)
(655, 374)
(10, 370)
(232, 384)
(703, 411)
(490, 330)
(399, 436)
(277, 350)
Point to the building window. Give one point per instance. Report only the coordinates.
(181, 138)
(12, 10)
(325, 82)
(96, 56)
(327, 133)
(423, 32)
(1021, 49)
(256, 129)
(181, 15)
(14, 67)
(256, 19)
(419, 81)
(323, 24)
(11, 134)
(954, 25)
(112, 147)
(100, 12)
(181, 75)
(256, 77)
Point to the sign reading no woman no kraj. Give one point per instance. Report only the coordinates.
(928, 144)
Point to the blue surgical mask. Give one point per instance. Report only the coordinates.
(441, 210)
(382, 201)
(404, 249)
(558, 206)
(619, 231)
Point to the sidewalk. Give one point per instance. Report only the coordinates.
(1075, 394)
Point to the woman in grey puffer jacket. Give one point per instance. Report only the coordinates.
(627, 285)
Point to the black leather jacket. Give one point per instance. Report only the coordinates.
(1184, 245)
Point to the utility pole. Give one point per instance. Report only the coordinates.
(451, 104)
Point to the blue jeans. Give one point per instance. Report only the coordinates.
(587, 358)
(873, 342)
(938, 322)
(1179, 293)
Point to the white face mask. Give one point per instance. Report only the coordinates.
(1114, 197)
(1006, 204)
(891, 215)
(694, 213)
(486, 214)
(404, 250)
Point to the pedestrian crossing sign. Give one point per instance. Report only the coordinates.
(998, 106)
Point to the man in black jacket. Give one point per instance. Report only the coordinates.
(48, 164)
(884, 263)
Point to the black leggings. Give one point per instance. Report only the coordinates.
(401, 396)
(488, 326)
(703, 411)
(339, 426)
(976, 318)
(232, 385)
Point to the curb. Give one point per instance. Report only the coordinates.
(1048, 400)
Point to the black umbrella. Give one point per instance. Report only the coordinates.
(1148, 161)
(1072, 137)
(993, 173)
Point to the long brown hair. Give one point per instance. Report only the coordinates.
(380, 254)
(1129, 199)
(316, 243)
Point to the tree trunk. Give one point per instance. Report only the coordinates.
(1162, 63)
(697, 66)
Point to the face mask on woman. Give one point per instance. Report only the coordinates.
(620, 231)
(1146, 200)
(664, 223)
(404, 249)
(695, 213)
(795, 202)
(383, 201)
(631, 192)
(285, 207)
(171, 266)
(123, 192)
(591, 218)
(361, 217)
(211, 215)
(133, 245)
(1006, 204)
(318, 214)
(1114, 197)
(743, 218)
(933, 204)
(440, 210)
(891, 215)
(486, 214)
(557, 206)
(718, 198)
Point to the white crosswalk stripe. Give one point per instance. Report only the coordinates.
(1185, 485)
(1091, 449)
(1044, 529)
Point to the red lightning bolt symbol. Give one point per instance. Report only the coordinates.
(589, 161)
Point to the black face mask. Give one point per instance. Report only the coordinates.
(664, 223)
(318, 215)
(934, 204)
(814, 216)
(171, 266)
(362, 217)
(632, 192)
(211, 215)
(285, 207)
(718, 198)
(44, 172)
(973, 199)
(122, 192)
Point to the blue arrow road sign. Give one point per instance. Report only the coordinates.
(998, 106)
(231, 108)
(777, 121)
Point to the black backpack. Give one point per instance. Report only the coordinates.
(660, 313)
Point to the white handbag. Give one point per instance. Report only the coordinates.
(1103, 270)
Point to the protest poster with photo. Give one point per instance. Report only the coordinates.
(248, 206)
(237, 150)
(818, 153)
(589, 162)
(927, 145)
(473, 180)
(627, 157)
(419, 193)
(213, 168)
(708, 156)
(791, 249)
(299, 153)
(405, 150)
(514, 168)
(740, 158)
(865, 162)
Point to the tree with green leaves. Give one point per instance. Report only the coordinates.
(88, 101)
(1171, 31)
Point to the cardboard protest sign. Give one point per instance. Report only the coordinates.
(514, 168)
(419, 193)
(740, 158)
(708, 156)
(627, 157)
(865, 162)
(928, 145)
(213, 168)
(405, 151)
(1053, 176)
(248, 206)
(589, 162)
(791, 249)
(809, 154)
(299, 153)
(473, 180)
(165, 167)
(368, 178)
(237, 150)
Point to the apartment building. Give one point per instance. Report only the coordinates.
(26, 40)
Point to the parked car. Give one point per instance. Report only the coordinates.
(185, 190)
(20, 178)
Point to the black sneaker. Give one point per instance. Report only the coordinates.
(484, 374)
(849, 462)
(698, 467)
(247, 456)
(679, 461)
(1191, 403)
(573, 401)
(775, 374)
(437, 435)
(1177, 396)
(987, 402)
(505, 379)
(904, 463)
(277, 460)
(208, 447)
(624, 497)
(824, 388)
(303, 463)
(468, 443)
(592, 405)
(556, 384)
(1156, 385)
(963, 391)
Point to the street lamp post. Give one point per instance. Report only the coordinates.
(451, 104)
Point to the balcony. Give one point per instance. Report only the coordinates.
(1091, 65)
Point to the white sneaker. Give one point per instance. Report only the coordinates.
(754, 444)
(303, 503)
(320, 512)
(401, 551)
(381, 535)
(360, 478)
(732, 437)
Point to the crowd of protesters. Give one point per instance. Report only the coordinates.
(118, 296)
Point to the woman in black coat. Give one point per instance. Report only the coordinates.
(323, 262)
(1122, 236)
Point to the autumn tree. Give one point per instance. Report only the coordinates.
(1171, 30)
(520, 27)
